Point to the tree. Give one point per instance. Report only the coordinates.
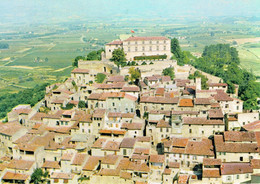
(100, 77)
(175, 48)
(92, 56)
(82, 104)
(204, 79)
(168, 72)
(38, 176)
(118, 56)
(135, 74)
(75, 63)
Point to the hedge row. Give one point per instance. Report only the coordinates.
(156, 57)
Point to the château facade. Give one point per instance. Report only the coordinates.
(140, 46)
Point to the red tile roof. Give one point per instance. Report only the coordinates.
(211, 173)
(115, 42)
(252, 126)
(211, 161)
(239, 136)
(157, 158)
(235, 168)
(183, 179)
(79, 70)
(201, 121)
(92, 163)
(186, 103)
(231, 147)
(158, 100)
(215, 113)
(128, 143)
(133, 38)
(15, 176)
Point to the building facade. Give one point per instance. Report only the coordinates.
(140, 46)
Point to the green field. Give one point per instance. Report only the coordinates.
(24, 64)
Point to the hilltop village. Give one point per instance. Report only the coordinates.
(160, 129)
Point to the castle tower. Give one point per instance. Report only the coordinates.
(198, 83)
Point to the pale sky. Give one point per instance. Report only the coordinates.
(59, 10)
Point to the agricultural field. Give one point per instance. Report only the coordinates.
(44, 53)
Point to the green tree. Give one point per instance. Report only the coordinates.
(38, 176)
(168, 72)
(204, 79)
(135, 74)
(76, 60)
(175, 48)
(82, 104)
(92, 56)
(118, 57)
(100, 78)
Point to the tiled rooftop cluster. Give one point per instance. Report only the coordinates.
(159, 131)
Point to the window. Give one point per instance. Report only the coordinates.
(202, 132)
(190, 131)
(143, 48)
(124, 151)
(150, 48)
(98, 124)
(136, 49)
(128, 49)
(247, 175)
(226, 106)
(164, 48)
(241, 159)
(228, 178)
(113, 104)
(160, 129)
(237, 176)
(157, 41)
(157, 47)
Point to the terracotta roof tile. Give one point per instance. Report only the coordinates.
(211, 161)
(111, 146)
(137, 38)
(15, 176)
(110, 159)
(174, 165)
(235, 168)
(239, 136)
(201, 121)
(255, 163)
(183, 179)
(186, 103)
(132, 126)
(211, 173)
(59, 175)
(79, 70)
(215, 113)
(51, 164)
(115, 42)
(128, 143)
(92, 163)
(252, 126)
(159, 100)
(157, 158)
(20, 164)
(79, 159)
(202, 101)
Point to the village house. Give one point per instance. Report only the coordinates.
(236, 146)
(194, 127)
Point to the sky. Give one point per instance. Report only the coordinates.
(33, 11)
